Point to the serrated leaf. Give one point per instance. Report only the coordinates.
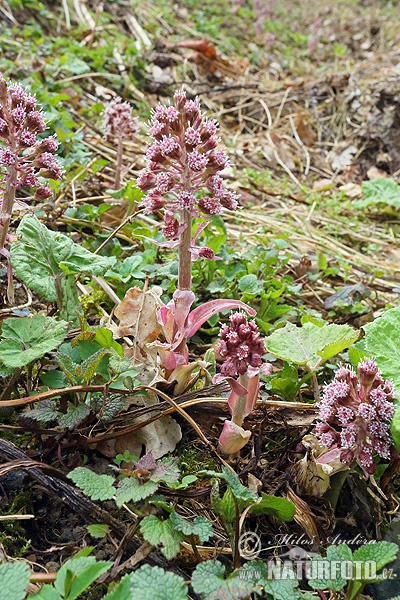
(74, 415)
(14, 579)
(272, 505)
(310, 345)
(250, 284)
(153, 583)
(97, 487)
(381, 553)
(44, 412)
(130, 490)
(382, 343)
(98, 530)
(41, 255)
(208, 580)
(239, 491)
(89, 366)
(282, 589)
(382, 190)
(201, 526)
(28, 338)
(77, 574)
(162, 533)
(335, 555)
(68, 366)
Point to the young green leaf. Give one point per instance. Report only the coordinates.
(14, 579)
(383, 345)
(97, 487)
(28, 338)
(272, 505)
(74, 415)
(381, 553)
(131, 490)
(122, 591)
(162, 533)
(208, 580)
(238, 490)
(201, 526)
(153, 583)
(98, 530)
(77, 574)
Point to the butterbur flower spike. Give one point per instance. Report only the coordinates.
(355, 413)
(242, 348)
(120, 125)
(24, 158)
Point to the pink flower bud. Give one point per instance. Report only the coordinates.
(232, 439)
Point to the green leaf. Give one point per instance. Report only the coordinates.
(272, 505)
(153, 583)
(201, 526)
(129, 192)
(381, 553)
(208, 580)
(28, 338)
(97, 487)
(77, 574)
(382, 190)
(68, 366)
(310, 345)
(282, 589)
(46, 592)
(104, 337)
(335, 555)
(238, 490)
(122, 591)
(44, 411)
(54, 379)
(98, 530)
(382, 344)
(14, 579)
(74, 415)
(250, 284)
(90, 366)
(162, 533)
(41, 256)
(129, 489)
(224, 506)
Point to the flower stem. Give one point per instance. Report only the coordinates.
(7, 204)
(118, 166)
(185, 257)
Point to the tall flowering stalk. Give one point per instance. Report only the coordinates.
(25, 160)
(120, 125)
(182, 177)
(182, 181)
(242, 348)
(355, 413)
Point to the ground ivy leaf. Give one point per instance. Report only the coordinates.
(310, 344)
(282, 589)
(162, 533)
(335, 554)
(74, 415)
(14, 579)
(41, 255)
(129, 489)
(381, 553)
(272, 505)
(153, 583)
(44, 412)
(207, 577)
(201, 526)
(97, 487)
(28, 338)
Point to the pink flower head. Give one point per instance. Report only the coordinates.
(184, 160)
(23, 157)
(358, 410)
(241, 345)
(118, 120)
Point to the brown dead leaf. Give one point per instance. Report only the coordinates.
(137, 315)
(305, 131)
(205, 48)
